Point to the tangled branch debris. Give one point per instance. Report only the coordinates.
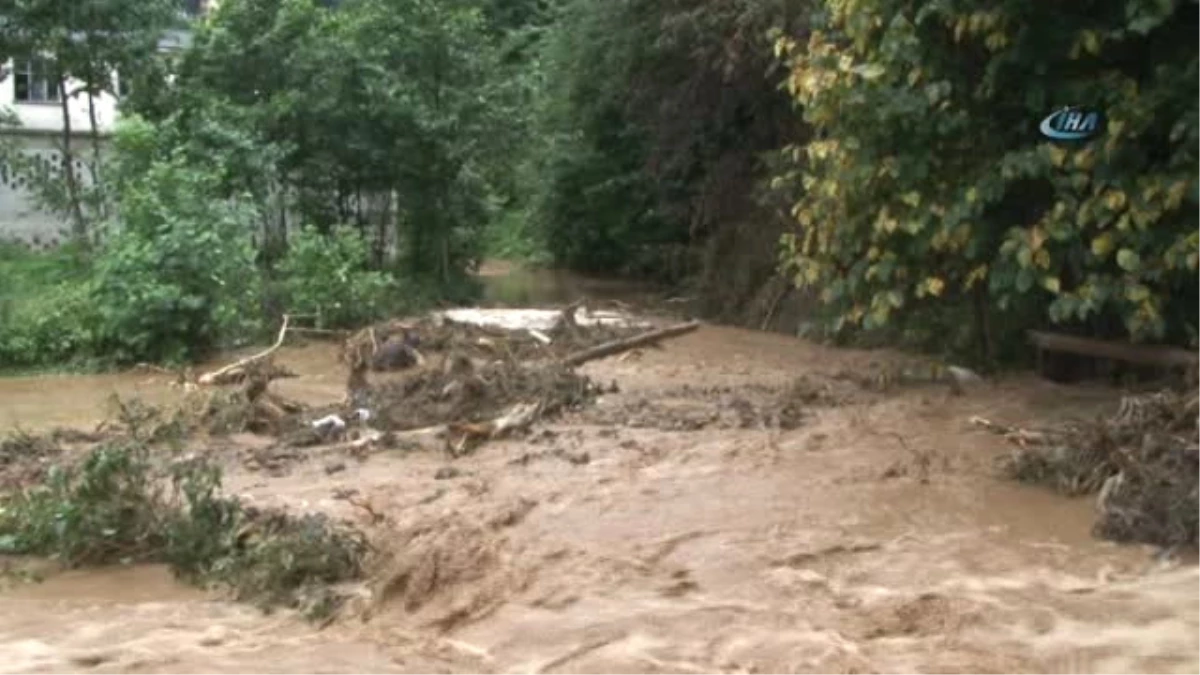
(1142, 463)
(473, 379)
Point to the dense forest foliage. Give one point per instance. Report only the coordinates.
(874, 163)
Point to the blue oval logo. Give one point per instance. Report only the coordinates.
(1072, 124)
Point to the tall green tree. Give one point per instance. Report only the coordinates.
(372, 99)
(656, 121)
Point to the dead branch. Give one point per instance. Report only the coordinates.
(565, 324)
(617, 346)
(319, 331)
(1015, 435)
(456, 438)
(766, 322)
(234, 371)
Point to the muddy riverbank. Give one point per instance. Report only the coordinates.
(657, 531)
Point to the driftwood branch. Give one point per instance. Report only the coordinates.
(617, 346)
(234, 371)
(456, 438)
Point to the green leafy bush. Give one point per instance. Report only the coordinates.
(176, 276)
(930, 186)
(327, 276)
(46, 313)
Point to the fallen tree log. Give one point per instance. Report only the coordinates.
(236, 371)
(617, 346)
(1150, 355)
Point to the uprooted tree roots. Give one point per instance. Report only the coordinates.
(1142, 463)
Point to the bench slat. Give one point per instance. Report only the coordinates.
(1153, 355)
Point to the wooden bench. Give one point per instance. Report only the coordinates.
(1158, 356)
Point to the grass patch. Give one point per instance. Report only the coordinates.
(45, 311)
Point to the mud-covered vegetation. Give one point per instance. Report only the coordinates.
(1143, 465)
(118, 502)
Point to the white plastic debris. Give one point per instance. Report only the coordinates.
(963, 375)
(363, 414)
(329, 422)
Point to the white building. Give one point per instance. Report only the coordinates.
(28, 90)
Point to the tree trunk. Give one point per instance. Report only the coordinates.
(983, 327)
(94, 169)
(75, 207)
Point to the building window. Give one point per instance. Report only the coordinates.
(33, 82)
(122, 86)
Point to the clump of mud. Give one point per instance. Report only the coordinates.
(460, 392)
(692, 408)
(1144, 463)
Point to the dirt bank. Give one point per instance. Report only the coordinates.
(643, 535)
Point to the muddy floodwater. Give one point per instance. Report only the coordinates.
(644, 534)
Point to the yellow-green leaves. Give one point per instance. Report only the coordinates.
(1129, 260)
(1137, 293)
(1087, 42)
(924, 188)
(931, 286)
(1058, 155)
(1176, 193)
(1102, 245)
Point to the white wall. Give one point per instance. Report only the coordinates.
(48, 117)
(40, 134)
(21, 221)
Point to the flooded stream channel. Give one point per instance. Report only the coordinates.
(874, 537)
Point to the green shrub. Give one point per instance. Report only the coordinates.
(46, 313)
(327, 276)
(176, 276)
